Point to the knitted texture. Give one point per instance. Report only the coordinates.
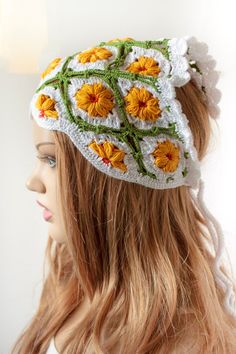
(117, 103)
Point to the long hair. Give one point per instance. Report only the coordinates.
(139, 254)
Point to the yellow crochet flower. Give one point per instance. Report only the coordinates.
(46, 106)
(145, 66)
(51, 67)
(167, 156)
(142, 104)
(110, 154)
(95, 99)
(94, 54)
(120, 40)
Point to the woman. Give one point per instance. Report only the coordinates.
(130, 270)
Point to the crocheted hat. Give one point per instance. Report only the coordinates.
(117, 103)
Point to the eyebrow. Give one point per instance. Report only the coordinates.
(45, 143)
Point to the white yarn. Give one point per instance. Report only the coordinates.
(218, 241)
(198, 53)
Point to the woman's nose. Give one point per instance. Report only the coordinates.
(34, 184)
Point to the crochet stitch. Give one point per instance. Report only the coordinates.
(122, 93)
(117, 103)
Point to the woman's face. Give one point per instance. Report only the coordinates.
(43, 181)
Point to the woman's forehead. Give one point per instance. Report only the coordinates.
(41, 135)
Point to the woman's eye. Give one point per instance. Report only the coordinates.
(48, 159)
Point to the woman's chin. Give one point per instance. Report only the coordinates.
(56, 234)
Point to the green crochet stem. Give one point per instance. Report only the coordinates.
(162, 46)
(127, 133)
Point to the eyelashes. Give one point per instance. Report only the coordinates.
(51, 161)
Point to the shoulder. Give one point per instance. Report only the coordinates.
(52, 349)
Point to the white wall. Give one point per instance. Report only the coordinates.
(34, 32)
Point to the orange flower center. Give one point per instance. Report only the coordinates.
(106, 160)
(93, 98)
(142, 68)
(41, 113)
(169, 156)
(142, 104)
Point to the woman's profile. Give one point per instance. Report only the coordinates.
(132, 255)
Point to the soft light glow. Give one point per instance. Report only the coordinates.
(23, 34)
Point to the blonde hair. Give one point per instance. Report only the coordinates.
(140, 256)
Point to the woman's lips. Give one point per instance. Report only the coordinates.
(47, 214)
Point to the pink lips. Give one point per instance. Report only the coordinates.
(47, 214)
